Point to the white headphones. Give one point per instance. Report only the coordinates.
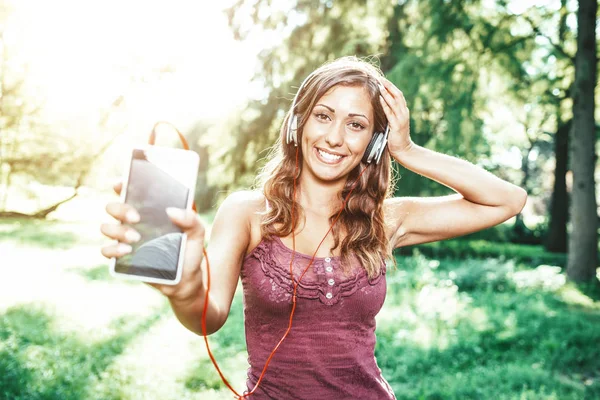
(374, 149)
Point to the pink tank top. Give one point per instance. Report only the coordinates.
(329, 352)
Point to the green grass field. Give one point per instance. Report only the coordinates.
(475, 328)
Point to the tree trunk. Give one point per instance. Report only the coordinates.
(583, 240)
(395, 40)
(556, 238)
(556, 241)
(41, 214)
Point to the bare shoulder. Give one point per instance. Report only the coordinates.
(248, 202)
(245, 207)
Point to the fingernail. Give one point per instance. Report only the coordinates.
(123, 248)
(132, 216)
(132, 236)
(176, 213)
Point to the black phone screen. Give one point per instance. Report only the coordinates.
(157, 179)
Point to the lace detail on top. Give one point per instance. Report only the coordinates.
(324, 280)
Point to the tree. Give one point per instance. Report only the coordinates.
(583, 239)
(31, 149)
(311, 33)
(443, 56)
(437, 61)
(556, 239)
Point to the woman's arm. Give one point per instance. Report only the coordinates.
(229, 240)
(482, 199)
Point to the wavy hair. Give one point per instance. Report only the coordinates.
(360, 229)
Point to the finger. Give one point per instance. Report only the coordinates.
(396, 117)
(188, 221)
(402, 100)
(115, 250)
(394, 91)
(389, 109)
(389, 99)
(166, 290)
(397, 103)
(117, 187)
(123, 212)
(388, 86)
(389, 112)
(120, 233)
(385, 106)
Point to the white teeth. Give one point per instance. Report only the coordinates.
(328, 156)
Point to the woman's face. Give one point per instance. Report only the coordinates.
(337, 133)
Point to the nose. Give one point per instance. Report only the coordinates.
(335, 135)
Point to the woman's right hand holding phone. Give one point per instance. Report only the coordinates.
(190, 284)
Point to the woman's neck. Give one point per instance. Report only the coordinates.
(318, 196)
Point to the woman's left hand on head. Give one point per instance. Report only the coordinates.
(398, 116)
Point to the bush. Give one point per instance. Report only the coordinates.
(461, 249)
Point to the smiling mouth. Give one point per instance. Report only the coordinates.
(327, 157)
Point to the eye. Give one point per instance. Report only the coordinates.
(357, 126)
(322, 117)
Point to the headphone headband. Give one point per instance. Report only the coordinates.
(374, 149)
(292, 128)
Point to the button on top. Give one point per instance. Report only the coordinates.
(328, 259)
(329, 295)
(328, 269)
(331, 282)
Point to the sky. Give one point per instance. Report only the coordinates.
(81, 55)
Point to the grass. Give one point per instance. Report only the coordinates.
(41, 234)
(477, 327)
(40, 361)
(493, 330)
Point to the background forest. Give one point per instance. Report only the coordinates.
(512, 312)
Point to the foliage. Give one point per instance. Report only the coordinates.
(311, 33)
(451, 328)
(459, 248)
(447, 58)
(32, 149)
(488, 329)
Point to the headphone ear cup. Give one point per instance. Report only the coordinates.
(292, 135)
(371, 150)
(379, 147)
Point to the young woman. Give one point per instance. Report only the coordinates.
(262, 236)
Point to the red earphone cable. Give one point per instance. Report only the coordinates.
(205, 308)
(212, 358)
(238, 396)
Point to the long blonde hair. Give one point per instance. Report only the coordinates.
(362, 221)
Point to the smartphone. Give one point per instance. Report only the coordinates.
(157, 178)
